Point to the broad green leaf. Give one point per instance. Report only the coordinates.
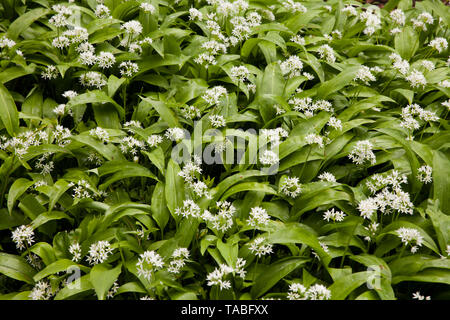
(16, 267)
(274, 273)
(16, 190)
(8, 111)
(103, 277)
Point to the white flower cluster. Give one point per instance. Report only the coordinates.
(416, 79)
(309, 107)
(260, 247)
(128, 68)
(61, 18)
(372, 21)
(258, 217)
(291, 187)
(99, 252)
(418, 296)
(23, 235)
(390, 199)
(410, 236)
(100, 134)
(268, 158)
(75, 251)
(294, 7)
(439, 44)
(422, 20)
(273, 136)
(424, 174)
(42, 290)
(213, 95)
(400, 65)
(334, 215)
(327, 176)
(223, 219)
(148, 263)
(313, 138)
(364, 75)
(292, 66)
(218, 276)
(398, 16)
(217, 121)
(81, 189)
(131, 146)
(327, 53)
(409, 121)
(189, 209)
(20, 144)
(213, 48)
(297, 291)
(362, 152)
(178, 260)
(93, 79)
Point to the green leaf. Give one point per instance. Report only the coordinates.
(102, 278)
(274, 273)
(16, 190)
(341, 288)
(16, 267)
(24, 21)
(164, 111)
(159, 209)
(337, 83)
(77, 286)
(62, 265)
(174, 188)
(406, 42)
(8, 111)
(95, 96)
(122, 170)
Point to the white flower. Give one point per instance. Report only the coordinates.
(195, 14)
(399, 64)
(258, 217)
(398, 16)
(147, 7)
(98, 252)
(422, 20)
(69, 94)
(148, 263)
(333, 215)
(133, 27)
(92, 79)
(318, 292)
(21, 235)
(200, 189)
(217, 121)
(100, 134)
(60, 110)
(61, 42)
(439, 44)
(51, 72)
(416, 79)
(418, 296)
(410, 236)
(372, 21)
(364, 75)
(174, 134)
(178, 260)
(84, 47)
(189, 209)
(298, 39)
(102, 11)
(350, 10)
(327, 53)
(292, 66)
(294, 7)
(128, 68)
(223, 220)
(130, 145)
(273, 135)
(217, 276)
(313, 138)
(42, 290)
(335, 123)
(327, 176)
(77, 34)
(291, 187)
(427, 64)
(105, 60)
(361, 152)
(395, 31)
(425, 174)
(213, 95)
(154, 140)
(269, 157)
(259, 247)
(240, 73)
(75, 251)
(444, 83)
(6, 42)
(368, 207)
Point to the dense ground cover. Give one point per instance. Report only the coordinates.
(224, 150)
